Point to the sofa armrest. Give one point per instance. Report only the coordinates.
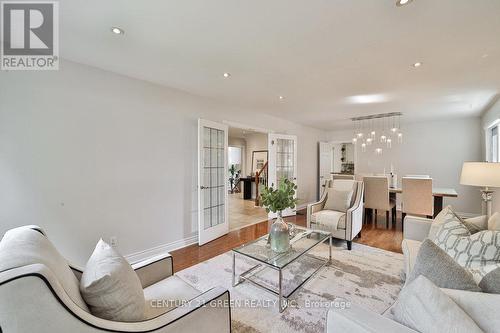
(32, 300)
(354, 215)
(315, 207)
(416, 228)
(154, 269)
(356, 319)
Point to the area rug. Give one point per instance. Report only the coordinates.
(365, 276)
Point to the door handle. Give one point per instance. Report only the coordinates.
(203, 188)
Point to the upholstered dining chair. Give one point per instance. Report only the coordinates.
(377, 197)
(344, 223)
(417, 197)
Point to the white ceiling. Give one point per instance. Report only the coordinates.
(314, 52)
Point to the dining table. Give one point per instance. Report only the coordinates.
(439, 193)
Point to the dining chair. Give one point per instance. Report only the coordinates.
(340, 176)
(377, 197)
(417, 197)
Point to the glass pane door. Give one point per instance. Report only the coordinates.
(212, 218)
(285, 160)
(282, 162)
(214, 167)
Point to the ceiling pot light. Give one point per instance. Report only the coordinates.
(117, 31)
(281, 98)
(366, 99)
(226, 75)
(401, 3)
(417, 64)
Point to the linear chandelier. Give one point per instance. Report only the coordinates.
(378, 131)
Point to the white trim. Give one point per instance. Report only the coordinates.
(247, 127)
(487, 129)
(162, 249)
(492, 124)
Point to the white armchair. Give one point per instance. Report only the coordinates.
(350, 223)
(34, 299)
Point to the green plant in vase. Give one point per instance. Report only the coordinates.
(234, 177)
(276, 201)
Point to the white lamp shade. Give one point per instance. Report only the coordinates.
(480, 174)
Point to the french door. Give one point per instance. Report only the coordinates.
(325, 165)
(282, 163)
(212, 181)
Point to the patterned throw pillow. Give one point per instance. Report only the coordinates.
(446, 215)
(479, 253)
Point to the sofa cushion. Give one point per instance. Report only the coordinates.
(490, 283)
(425, 308)
(433, 263)
(481, 307)
(25, 246)
(479, 253)
(410, 251)
(476, 224)
(166, 295)
(340, 196)
(329, 218)
(110, 286)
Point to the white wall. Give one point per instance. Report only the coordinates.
(255, 142)
(436, 148)
(240, 143)
(489, 117)
(86, 154)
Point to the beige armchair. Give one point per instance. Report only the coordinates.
(377, 197)
(348, 224)
(36, 297)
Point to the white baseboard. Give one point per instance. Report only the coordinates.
(161, 249)
(165, 248)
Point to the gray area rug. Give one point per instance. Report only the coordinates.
(365, 276)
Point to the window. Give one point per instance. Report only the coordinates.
(493, 144)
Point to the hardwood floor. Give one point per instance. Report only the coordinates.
(372, 234)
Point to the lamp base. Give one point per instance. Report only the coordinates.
(487, 195)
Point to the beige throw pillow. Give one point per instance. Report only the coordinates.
(425, 308)
(110, 286)
(338, 200)
(494, 222)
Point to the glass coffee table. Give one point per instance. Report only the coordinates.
(297, 262)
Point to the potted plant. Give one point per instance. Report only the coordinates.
(277, 200)
(234, 177)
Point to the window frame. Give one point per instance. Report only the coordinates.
(490, 131)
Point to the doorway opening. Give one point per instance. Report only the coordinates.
(247, 175)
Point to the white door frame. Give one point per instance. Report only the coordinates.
(272, 137)
(209, 234)
(321, 179)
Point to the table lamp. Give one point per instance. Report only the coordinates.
(483, 174)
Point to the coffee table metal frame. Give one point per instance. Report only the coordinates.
(282, 299)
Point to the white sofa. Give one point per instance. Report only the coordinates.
(33, 299)
(349, 223)
(481, 307)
